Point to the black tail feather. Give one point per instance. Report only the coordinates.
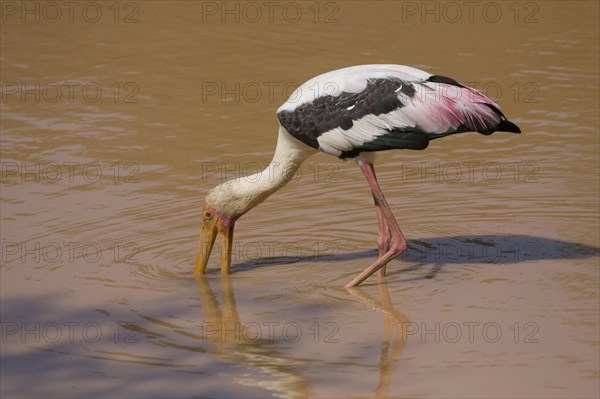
(507, 126)
(504, 126)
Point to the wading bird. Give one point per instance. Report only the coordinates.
(351, 113)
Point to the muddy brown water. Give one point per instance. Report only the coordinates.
(118, 117)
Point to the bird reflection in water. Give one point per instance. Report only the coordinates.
(281, 373)
(391, 346)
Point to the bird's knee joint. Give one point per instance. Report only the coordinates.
(398, 247)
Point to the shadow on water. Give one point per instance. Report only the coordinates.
(441, 251)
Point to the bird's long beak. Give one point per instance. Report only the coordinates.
(213, 226)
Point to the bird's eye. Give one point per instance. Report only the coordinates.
(208, 215)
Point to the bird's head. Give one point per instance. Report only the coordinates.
(223, 205)
(214, 224)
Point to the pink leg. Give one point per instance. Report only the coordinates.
(387, 224)
(384, 237)
(383, 241)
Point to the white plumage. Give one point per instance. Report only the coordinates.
(349, 80)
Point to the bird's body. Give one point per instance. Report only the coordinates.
(382, 107)
(350, 113)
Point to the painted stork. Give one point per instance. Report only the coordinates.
(350, 113)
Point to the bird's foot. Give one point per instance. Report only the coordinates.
(396, 248)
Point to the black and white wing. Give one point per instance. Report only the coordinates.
(382, 107)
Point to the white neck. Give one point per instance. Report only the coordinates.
(235, 197)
